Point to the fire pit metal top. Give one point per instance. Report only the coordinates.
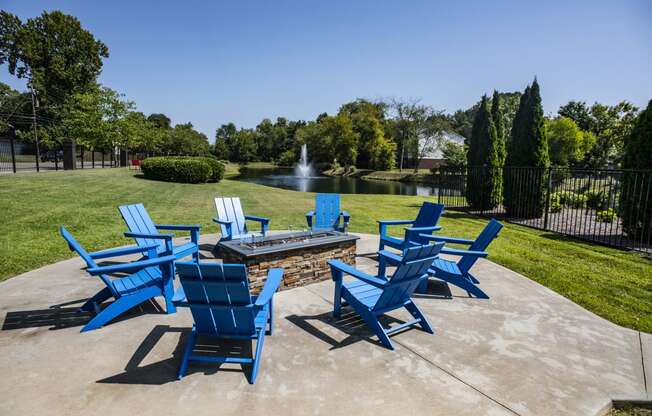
(256, 246)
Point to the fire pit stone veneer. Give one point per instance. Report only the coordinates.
(303, 256)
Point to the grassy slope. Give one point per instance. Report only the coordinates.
(614, 284)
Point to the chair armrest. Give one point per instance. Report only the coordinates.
(255, 218)
(342, 267)
(385, 257)
(131, 267)
(190, 227)
(420, 229)
(274, 278)
(459, 252)
(389, 257)
(222, 222)
(395, 222)
(116, 252)
(345, 214)
(451, 240)
(152, 236)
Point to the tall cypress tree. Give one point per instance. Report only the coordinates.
(528, 148)
(635, 207)
(484, 184)
(498, 118)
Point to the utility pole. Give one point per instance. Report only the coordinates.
(34, 105)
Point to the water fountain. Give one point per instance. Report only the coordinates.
(303, 169)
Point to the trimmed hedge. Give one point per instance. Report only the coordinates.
(183, 169)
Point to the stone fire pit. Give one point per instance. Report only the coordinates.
(303, 255)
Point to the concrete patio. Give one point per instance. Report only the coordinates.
(525, 351)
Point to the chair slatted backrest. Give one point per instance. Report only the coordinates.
(481, 243)
(139, 221)
(428, 216)
(218, 297)
(408, 275)
(229, 209)
(75, 246)
(327, 211)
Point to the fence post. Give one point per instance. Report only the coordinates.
(547, 207)
(439, 172)
(102, 158)
(13, 150)
(93, 159)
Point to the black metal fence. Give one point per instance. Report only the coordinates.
(611, 207)
(25, 156)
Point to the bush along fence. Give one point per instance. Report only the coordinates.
(611, 207)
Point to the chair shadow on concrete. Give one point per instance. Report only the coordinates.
(166, 370)
(61, 316)
(436, 289)
(350, 324)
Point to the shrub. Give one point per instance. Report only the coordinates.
(555, 202)
(217, 168)
(597, 199)
(178, 169)
(570, 199)
(608, 215)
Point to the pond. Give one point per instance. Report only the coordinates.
(284, 178)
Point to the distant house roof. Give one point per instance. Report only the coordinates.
(450, 136)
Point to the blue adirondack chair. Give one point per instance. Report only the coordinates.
(372, 296)
(327, 214)
(146, 233)
(457, 272)
(147, 279)
(221, 306)
(233, 223)
(425, 223)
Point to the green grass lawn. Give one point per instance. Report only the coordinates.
(612, 283)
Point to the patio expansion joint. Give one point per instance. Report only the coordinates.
(432, 363)
(640, 344)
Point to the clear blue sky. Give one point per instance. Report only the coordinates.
(214, 62)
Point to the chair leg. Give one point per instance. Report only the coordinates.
(337, 300)
(270, 320)
(256, 364)
(417, 314)
(115, 309)
(93, 303)
(464, 284)
(190, 346)
(168, 294)
(378, 329)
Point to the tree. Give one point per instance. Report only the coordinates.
(454, 154)
(330, 139)
(609, 124)
(265, 138)
(567, 143)
(635, 209)
(484, 184)
(242, 146)
(403, 125)
(53, 51)
(462, 120)
(95, 119)
(184, 140)
(374, 150)
(498, 117)
(528, 147)
(160, 121)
